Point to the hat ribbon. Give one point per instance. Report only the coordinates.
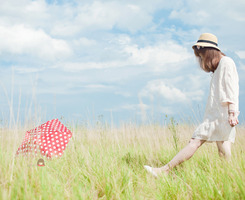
(207, 41)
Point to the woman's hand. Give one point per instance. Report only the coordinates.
(233, 114)
(233, 118)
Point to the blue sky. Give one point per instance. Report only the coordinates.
(128, 61)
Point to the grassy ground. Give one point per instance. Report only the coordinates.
(107, 163)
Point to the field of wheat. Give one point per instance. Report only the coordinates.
(106, 162)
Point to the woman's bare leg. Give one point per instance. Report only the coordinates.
(185, 154)
(224, 148)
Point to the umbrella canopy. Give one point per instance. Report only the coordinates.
(50, 138)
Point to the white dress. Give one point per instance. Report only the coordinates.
(224, 88)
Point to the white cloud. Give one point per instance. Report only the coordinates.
(241, 54)
(200, 16)
(83, 41)
(102, 16)
(158, 56)
(167, 96)
(80, 66)
(37, 7)
(242, 66)
(32, 13)
(197, 13)
(20, 39)
(24, 70)
(157, 88)
(175, 90)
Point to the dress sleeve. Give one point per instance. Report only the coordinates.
(230, 83)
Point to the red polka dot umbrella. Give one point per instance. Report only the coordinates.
(50, 138)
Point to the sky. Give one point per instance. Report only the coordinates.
(112, 61)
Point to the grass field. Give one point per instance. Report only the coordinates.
(107, 163)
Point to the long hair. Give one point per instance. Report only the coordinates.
(208, 58)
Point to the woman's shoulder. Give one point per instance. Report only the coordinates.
(225, 60)
(227, 63)
(227, 69)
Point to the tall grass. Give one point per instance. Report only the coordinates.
(104, 162)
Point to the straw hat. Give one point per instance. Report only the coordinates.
(207, 40)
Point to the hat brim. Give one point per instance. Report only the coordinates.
(204, 44)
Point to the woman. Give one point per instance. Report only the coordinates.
(221, 113)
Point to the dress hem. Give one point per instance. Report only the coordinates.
(207, 140)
